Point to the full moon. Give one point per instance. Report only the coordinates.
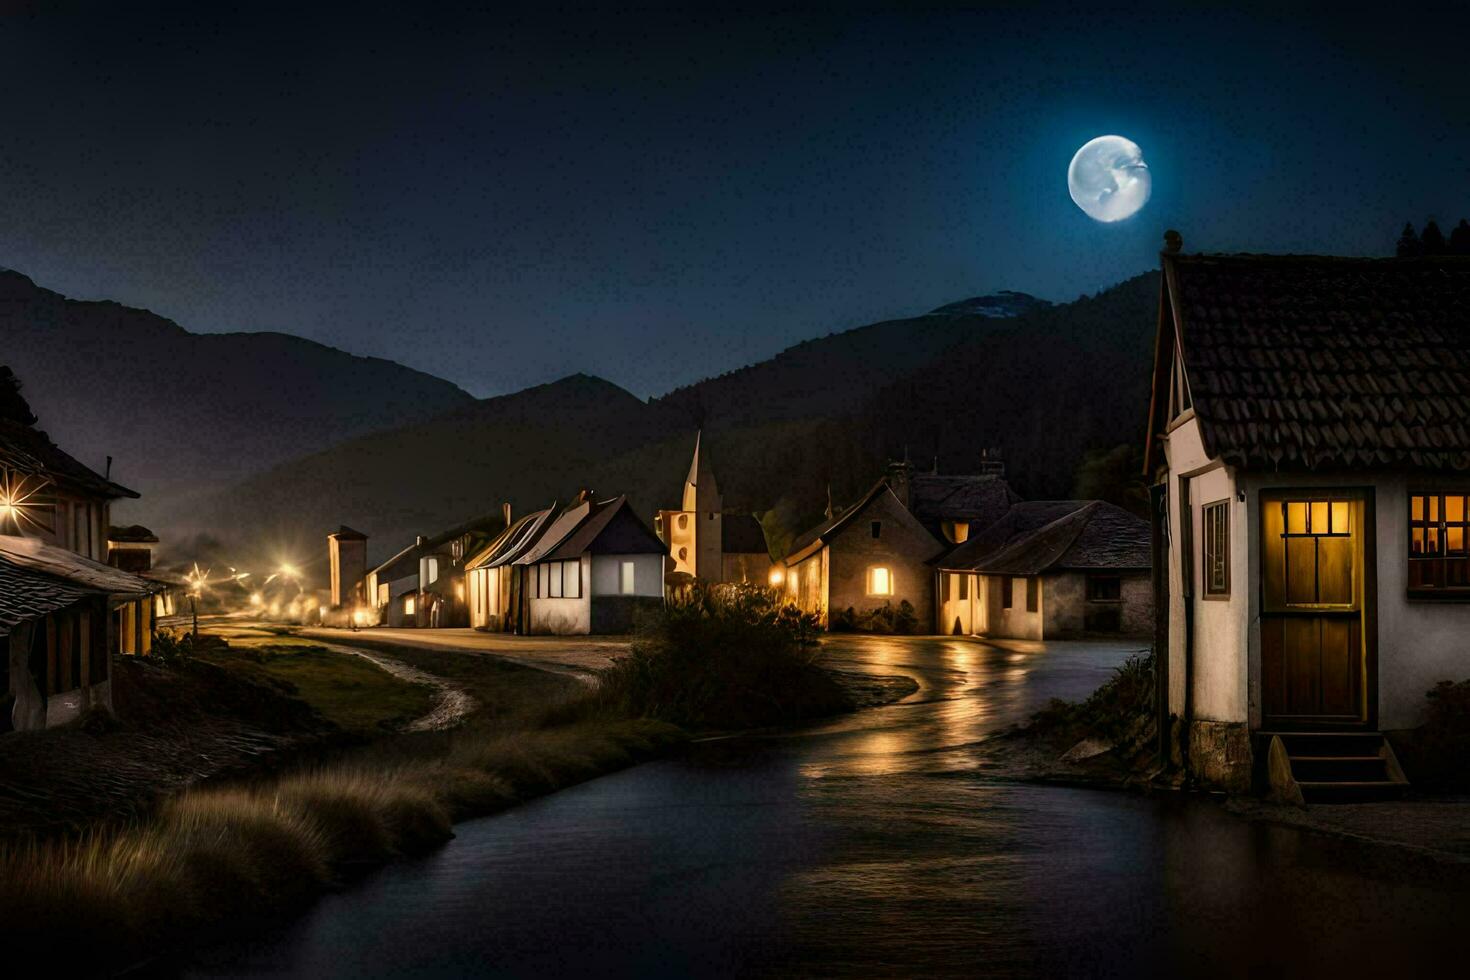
(1108, 179)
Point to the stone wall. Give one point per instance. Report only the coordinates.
(1220, 755)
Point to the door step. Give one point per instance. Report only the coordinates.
(1333, 767)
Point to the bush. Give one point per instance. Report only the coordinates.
(1114, 712)
(1434, 754)
(170, 646)
(724, 657)
(881, 619)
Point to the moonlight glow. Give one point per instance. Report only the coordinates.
(1108, 178)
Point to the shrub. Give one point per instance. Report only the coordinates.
(727, 656)
(1114, 712)
(880, 619)
(1434, 754)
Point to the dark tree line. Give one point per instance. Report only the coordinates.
(1432, 241)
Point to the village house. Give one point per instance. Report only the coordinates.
(63, 612)
(131, 549)
(707, 543)
(1308, 443)
(394, 587)
(495, 594)
(442, 599)
(877, 553)
(1050, 570)
(591, 571)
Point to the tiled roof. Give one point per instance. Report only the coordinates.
(29, 450)
(26, 594)
(38, 556)
(513, 541)
(1050, 536)
(1320, 362)
(979, 500)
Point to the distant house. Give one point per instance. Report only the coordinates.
(705, 541)
(131, 549)
(49, 497)
(443, 598)
(394, 587)
(59, 627)
(495, 594)
(1050, 570)
(593, 568)
(874, 554)
(1308, 442)
(879, 551)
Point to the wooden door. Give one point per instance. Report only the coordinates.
(1314, 585)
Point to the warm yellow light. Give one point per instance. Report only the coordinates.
(777, 576)
(360, 617)
(255, 599)
(289, 570)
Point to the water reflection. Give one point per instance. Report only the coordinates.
(868, 846)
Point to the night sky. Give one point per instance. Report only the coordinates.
(657, 197)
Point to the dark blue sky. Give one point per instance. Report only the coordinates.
(656, 197)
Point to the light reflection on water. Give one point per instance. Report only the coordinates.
(868, 846)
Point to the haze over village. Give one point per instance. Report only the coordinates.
(672, 493)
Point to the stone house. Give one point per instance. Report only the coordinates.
(874, 554)
(1050, 570)
(1311, 465)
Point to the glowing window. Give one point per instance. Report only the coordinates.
(408, 605)
(1216, 546)
(880, 581)
(626, 578)
(1439, 544)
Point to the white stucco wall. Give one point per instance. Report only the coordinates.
(953, 608)
(1014, 623)
(648, 574)
(1420, 641)
(563, 616)
(1222, 689)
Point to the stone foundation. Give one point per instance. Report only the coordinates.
(1220, 755)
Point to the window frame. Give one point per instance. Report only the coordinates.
(1033, 594)
(1007, 592)
(872, 580)
(627, 577)
(1440, 526)
(1095, 578)
(1208, 545)
(876, 529)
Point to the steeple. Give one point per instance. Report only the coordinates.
(701, 491)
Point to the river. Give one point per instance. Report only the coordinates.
(880, 844)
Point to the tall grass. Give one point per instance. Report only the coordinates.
(222, 855)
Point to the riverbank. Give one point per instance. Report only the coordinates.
(197, 852)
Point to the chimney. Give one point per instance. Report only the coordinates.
(420, 541)
(505, 512)
(584, 495)
(898, 478)
(107, 473)
(1173, 241)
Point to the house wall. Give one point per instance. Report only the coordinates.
(347, 559)
(648, 574)
(1420, 641)
(960, 617)
(678, 527)
(1015, 623)
(397, 589)
(1067, 610)
(806, 584)
(903, 547)
(565, 616)
(60, 666)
